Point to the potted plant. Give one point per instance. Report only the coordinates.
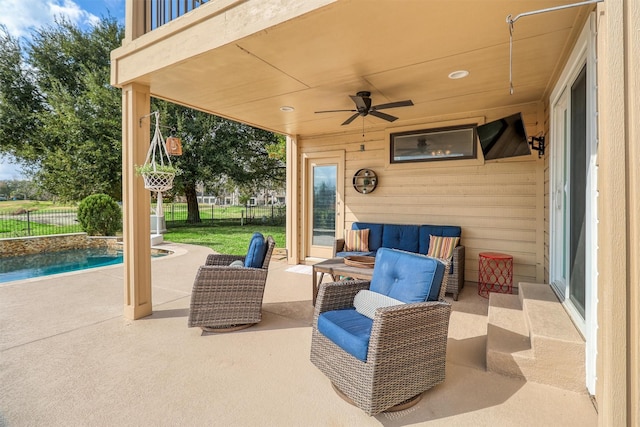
(157, 170)
(158, 177)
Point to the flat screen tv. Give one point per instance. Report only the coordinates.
(504, 138)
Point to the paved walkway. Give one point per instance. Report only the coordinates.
(69, 358)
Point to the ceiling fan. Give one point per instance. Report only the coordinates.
(364, 108)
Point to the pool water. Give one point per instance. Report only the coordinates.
(45, 264)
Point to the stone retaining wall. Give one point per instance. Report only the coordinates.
(60, 242)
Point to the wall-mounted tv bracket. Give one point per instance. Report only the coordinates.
(540, 147)
(511, 21)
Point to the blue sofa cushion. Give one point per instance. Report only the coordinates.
(436, 230)
(403, 237)
(407, 277)
(348, 329)
(375, 233)
(257, 251)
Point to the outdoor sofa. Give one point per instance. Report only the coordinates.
(410, 238)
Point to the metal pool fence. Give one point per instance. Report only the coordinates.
(24, 223)
(176, 213)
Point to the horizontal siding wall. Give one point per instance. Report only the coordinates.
(499, 204)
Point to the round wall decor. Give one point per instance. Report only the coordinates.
(365, 181)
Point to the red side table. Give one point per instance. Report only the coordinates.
(495, 273)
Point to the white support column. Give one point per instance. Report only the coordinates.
(136, 201)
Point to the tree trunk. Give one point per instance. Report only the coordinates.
(193, 211)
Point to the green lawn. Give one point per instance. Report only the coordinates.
(32, 205)
(225, 239)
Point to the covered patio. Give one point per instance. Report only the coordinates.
(68, 357)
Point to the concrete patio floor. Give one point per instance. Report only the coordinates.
(69, 358)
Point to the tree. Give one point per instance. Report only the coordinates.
(58, 112)
(278, 150)
(216, 150)
(24, 189)
(18, 189)
(20, 101)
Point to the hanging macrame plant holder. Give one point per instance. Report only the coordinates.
(154, 171)
(157, 171)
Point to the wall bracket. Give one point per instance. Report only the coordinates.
(540, 147)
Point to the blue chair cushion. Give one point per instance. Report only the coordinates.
(257, 251)
(375, 233)
(348, 329)
(406, 276)
(403, 237)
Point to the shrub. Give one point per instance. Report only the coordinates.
(100, 215)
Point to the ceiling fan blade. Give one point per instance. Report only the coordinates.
(383, 116)
(407, 103)
(336, 111)
(362, 103)
(350, 119)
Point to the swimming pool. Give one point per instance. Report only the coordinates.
(45, 264)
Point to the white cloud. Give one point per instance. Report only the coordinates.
(20, 17)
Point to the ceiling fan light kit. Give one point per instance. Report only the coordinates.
(364, 108)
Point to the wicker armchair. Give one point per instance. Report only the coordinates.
(406, 349)
(226, 298)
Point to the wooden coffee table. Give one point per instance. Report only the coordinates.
(336, 267)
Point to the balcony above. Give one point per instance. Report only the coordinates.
(160, 12)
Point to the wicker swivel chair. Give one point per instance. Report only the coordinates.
(227, 298)
(404, 354)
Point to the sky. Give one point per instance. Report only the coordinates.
(21, 17)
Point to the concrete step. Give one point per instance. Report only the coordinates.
(531, 336)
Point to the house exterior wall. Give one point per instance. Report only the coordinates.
(499, 205)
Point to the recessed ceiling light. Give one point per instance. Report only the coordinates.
(286, 108)
(460, 74)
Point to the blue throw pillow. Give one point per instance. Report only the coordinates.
(257, 251)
